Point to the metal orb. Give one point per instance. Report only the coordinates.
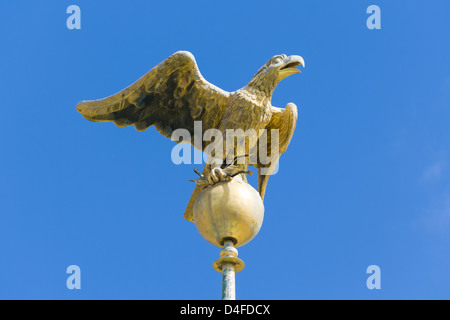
(230, 210)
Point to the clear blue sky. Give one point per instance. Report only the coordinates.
(366, 179)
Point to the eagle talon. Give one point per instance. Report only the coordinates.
(218, 175)
(215, 176)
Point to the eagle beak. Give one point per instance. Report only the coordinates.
(289, 67)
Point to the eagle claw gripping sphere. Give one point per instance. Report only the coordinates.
(231, 210)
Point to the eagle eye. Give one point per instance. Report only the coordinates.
(277, 59)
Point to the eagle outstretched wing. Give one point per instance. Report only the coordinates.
(170, 96)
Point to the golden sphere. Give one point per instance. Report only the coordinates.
(229, 210)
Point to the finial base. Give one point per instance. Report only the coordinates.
(237, 263)
(228, 265)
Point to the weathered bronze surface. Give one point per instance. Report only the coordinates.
(229, 210)
(174, 94)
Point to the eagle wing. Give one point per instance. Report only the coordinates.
(172, 95)
(285, 121)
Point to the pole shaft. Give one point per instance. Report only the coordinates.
(228, 282)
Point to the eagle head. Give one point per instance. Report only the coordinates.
(275, 70)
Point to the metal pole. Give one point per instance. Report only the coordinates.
(228, 264)
(228, 282)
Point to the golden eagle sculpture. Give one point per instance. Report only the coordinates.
(174, 95)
